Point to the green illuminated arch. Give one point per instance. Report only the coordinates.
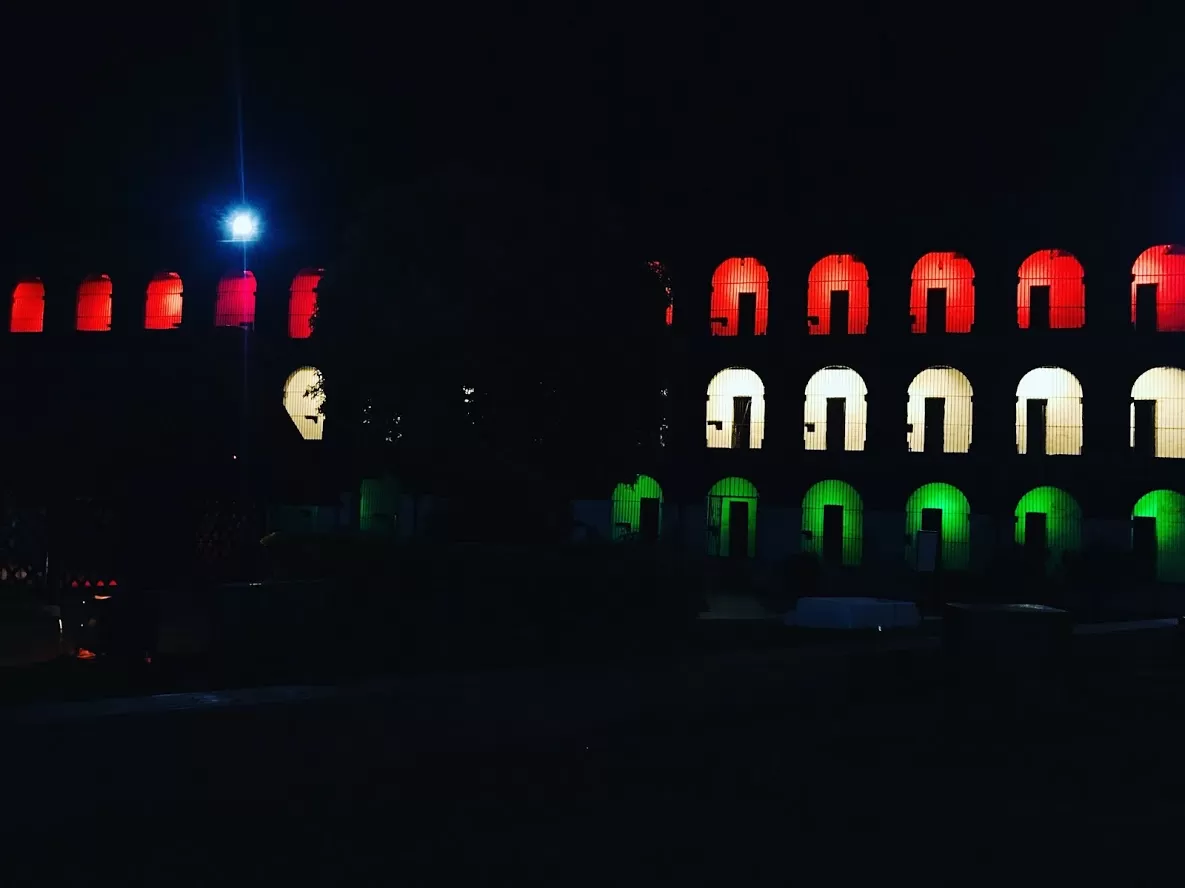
(1063, 522)
(956, 523)
(834, 493)
(720, 499)
(627, 505)
(378, 504)
(1167, 507)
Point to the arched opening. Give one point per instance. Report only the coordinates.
(94, 304)
(235, 306)
(162, 307)
(660, 271)
(938, 528)
(740, 298)
(1051, 294)
(837, 296)
(833, 523)
(378, 505)
(303, 400)
(835, 414)
(28, 307)
(637, 510)
(938, 413)
(302, 303)
(1048, 526)
(732, 519)
(736, 410)
(1158, 413)
(942, 295)
(1158, 290)
(1158, 535)
(1049, 413)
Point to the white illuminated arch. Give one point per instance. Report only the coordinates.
(835, 382)
(951, 385)
(1165, 386)
(304, 405)
(1063, 415)
(735, 382)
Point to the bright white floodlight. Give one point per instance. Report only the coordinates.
(243, 226)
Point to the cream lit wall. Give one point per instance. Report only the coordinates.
(835, 382)
(735, 382)
(303, 406)
(1165, 386)
(951, 385)
(1063, 413)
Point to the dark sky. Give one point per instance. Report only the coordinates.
(709, 128)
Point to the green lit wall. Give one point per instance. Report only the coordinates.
(1063, 522)
(378, 504)
(956, 523)
(627, 505)
(1168, 508)
(834, 493)
(722, 494)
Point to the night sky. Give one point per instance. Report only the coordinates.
(727, 133)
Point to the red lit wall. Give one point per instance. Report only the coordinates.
(1165, 267)
(840, 271)
(162, 308)
(94, 304)
(303, 303)
(1062, 273)
(235, 306)
(733, 277)
(953, 272)
(28, 307)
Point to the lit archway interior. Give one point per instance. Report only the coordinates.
(740, 298)
(1164, 387)
(1063, 523)
(302, 303)
(628, 506)
(1167, 509)
(1051, 281)
(736, 409)
(944, 508)
(1161, 270)
(28, 307)
(942, 294)
(378, 505)
(949, 395)
(1056, 395)
(303, 404)
(827, 502)
(837, 289)
(732, 518)
(835, 393)
(94, 304)
(162, 307)
(235, 306)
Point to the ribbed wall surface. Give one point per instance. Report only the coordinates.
(955, 389)
(235, 305)
(378, 505)
(1063, 523)
(814, 505)
(720, 499)
(725, 387)
(627, 505)
(303, 405)
(732, 278)
(1167, 507)
(302, 303)
(162, 306)
(1163, 266)
(956, 523)
(835, 382)
(1063, 274)
(94, 304)
(28, 308)
(1063, 415)
(839, 271)
(1165, 386)
(951, 272)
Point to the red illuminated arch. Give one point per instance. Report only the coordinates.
(733, 278)
(235, 306)
(302, 304)
(94, 304)
(839, 272)
(1163, 268)
(28, 307)
(162, 308)
(1062, 273)
(952, 274)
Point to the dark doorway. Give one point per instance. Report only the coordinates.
(1036, 540)
(837, 419)
(935, 437)
(648, 520)
(839, 312)
(1039, 308)
(746, 314)
(738, 528)
(1145, 427)
(1035, 411)
(833, 534)
(742, 417)
(1144, 547)
(932, 521)
(1146, 308)
(936, 310)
